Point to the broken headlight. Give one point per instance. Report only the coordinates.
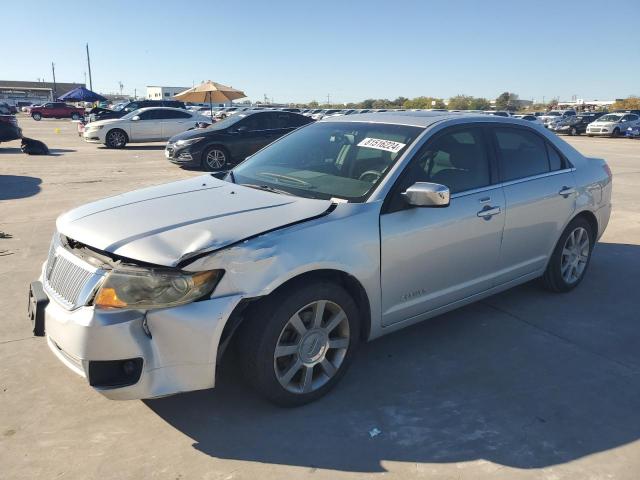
(151, 288)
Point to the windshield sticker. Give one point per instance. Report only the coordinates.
(379, 144)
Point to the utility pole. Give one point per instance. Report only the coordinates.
(54, 94)
(89, 65)
(135, 93)
(328, 99)
(121, 85)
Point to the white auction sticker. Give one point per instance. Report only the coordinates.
(386, 145)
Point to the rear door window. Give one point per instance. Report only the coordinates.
(522, 153)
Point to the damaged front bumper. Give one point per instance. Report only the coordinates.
(132, 354)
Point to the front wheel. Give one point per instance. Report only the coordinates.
(75, 116)
(570, 259)
(214, 159)
(296, 345)
(37, 117)
(116, 139)
(615, 133)
(574, 131)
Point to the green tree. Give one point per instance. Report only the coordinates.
(312, 104)
(424, 102)
(479, 103)
(459, 102)
(629, 103)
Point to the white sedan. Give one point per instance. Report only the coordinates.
(152, 124)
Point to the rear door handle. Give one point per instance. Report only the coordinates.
(566, 191)
(488, 212)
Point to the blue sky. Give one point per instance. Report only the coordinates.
(303, 50)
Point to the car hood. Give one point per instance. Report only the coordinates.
(602, 124)
(199, 132)
(97, 123)
(167, 224)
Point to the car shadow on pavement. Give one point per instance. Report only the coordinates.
(13, 187)
(13, 150)
(56, 152)
(526, 378)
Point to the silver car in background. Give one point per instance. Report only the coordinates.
(340, 232)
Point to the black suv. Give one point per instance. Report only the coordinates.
(231, 140)
(135, 105)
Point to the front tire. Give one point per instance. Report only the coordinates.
(37, 117)
(615, 133)
(573, 131)
(571, 256)
(215, 158)
(296, 345)
(75, 116)
(116, 138)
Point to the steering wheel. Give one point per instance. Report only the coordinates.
(370, 173)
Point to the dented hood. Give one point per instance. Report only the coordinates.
(166, 224)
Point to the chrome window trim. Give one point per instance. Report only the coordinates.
(535, 177)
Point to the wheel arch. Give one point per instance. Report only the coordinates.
(590, 217)
(351, 284)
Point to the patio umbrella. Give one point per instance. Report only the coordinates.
(210, 92)
(81, 94)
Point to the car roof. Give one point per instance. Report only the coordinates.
(144, 109)
(416, 119)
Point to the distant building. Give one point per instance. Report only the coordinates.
(155, 92)
(14, 91)
(582, 104)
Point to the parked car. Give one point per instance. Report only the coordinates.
(613, 124)
(9, 128)
(575, 125)
(230, 141)
(135, 105)
(499, 113)
(633, 132)
(554, 115)
(13, 109)
(529, 118)
(56, 110)
(151, 124)
(345, 230)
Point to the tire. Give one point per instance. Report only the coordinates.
(75, 116)
(559, 277)
(292, 364)
(615, 133)
(590, 136)
(116, 138)
(37, 117)
(215, 158)
(573, 131)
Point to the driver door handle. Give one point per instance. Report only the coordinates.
(566, 191)
(488, 212)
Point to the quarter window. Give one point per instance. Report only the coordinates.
(522, 153)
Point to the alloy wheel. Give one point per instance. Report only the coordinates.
(575, 255)
(215, 159)
(311, 347)
(116, 139)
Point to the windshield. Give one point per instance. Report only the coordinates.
(118, 107)
(325, 160)
(553, 114)
(130, 115)
(610, 118)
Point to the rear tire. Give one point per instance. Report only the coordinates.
(116, 138)
(571, 257)
(37, 117)
(297, 344)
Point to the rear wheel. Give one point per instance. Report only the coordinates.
(37, 117)
(215, 158)
(570, 258)
(297, 345)
(116, 138)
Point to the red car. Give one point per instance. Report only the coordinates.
(56, 110)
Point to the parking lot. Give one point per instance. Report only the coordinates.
(526, 384)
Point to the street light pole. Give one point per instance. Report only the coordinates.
(89, 65)
(54, 94)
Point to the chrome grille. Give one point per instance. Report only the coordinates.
(66, 279)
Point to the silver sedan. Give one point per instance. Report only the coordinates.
(338, 233)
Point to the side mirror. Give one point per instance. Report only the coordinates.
(426, 194)
(136, 118)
